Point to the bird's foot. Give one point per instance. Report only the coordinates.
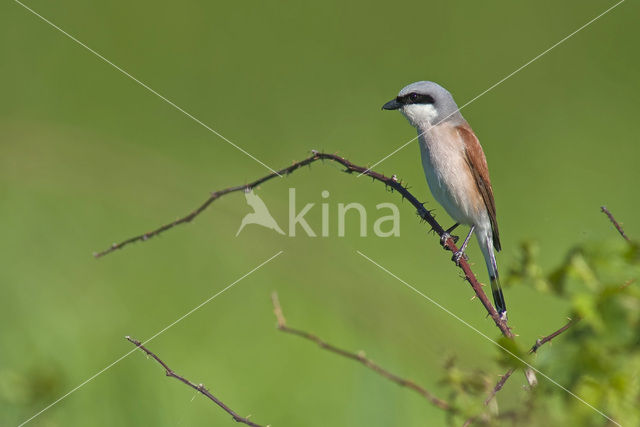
(457, 256)
(445, 236)
(450, 229)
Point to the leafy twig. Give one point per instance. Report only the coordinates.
(503, 378)
(199, 387)
(539, 343)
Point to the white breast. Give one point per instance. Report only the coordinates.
(448, 174)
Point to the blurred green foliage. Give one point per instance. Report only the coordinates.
(597, 358)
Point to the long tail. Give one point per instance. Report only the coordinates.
(486, 245)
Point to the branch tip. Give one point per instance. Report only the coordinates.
(277, 310)
(615, 223)
(200, 387)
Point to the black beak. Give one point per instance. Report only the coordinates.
(392, 105)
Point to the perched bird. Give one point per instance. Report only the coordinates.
(456, 169)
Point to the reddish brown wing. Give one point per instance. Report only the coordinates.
(478, 165)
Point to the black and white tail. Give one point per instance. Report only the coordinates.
(486, 245)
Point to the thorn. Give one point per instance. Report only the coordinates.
(473, 297)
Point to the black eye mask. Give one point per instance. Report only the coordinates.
(415, 98)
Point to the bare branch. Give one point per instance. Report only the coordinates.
(539, 343)
(503, 379)
(391, 182)
(358, 357)
(614, 222)
(627, 283)
(200, 387)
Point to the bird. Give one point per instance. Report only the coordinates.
(456, 170)
(260, 214)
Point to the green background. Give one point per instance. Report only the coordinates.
(89, 157)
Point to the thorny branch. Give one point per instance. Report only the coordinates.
(539, 343)
(614, 222)
(392, 182)
(199, 387)
(448, 244)
(358, 357)
(503, 379)
(361, 358)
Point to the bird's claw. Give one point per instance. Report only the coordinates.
(445, 236)
(457, 256)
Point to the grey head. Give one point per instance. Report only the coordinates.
(425, 104)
